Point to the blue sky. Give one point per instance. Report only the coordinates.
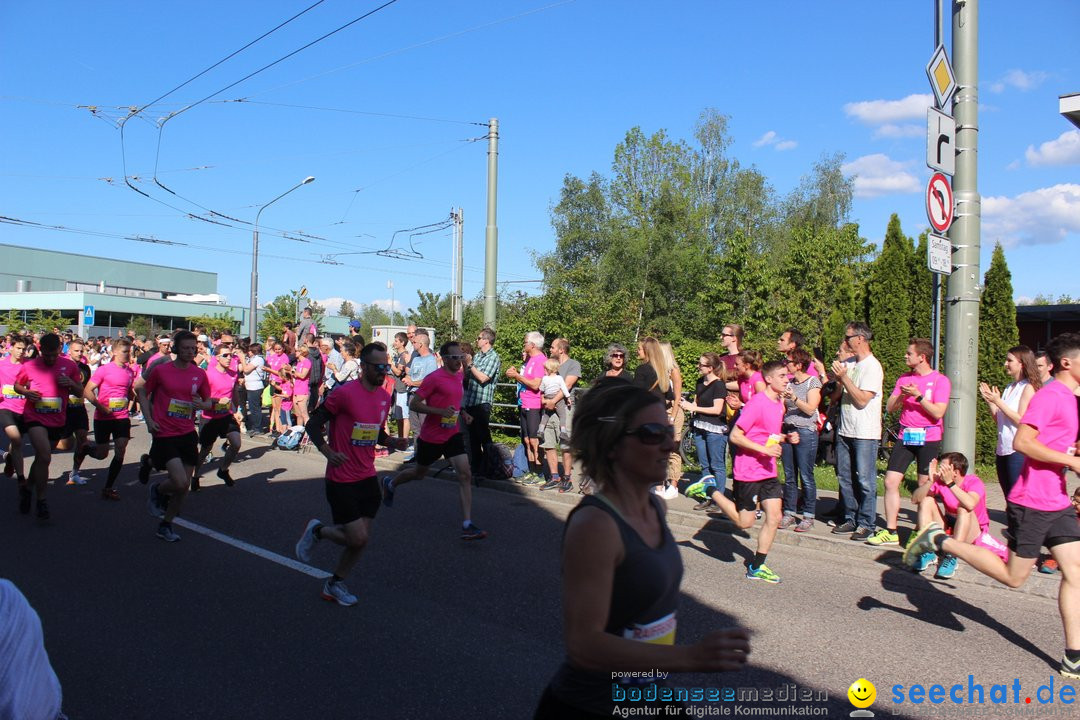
(393, 143)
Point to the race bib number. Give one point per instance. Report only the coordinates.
(180, 409)
(914, 436)
(658, 632)
(116, 403)
(449, 422)
(10, 394)
(48, 405)
(75, 399)
(364, 434)
(222, 405)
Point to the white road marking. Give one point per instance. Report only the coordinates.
(254, 549)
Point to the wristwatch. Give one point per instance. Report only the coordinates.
(918, 399)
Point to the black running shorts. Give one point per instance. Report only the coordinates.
(164, 449)
(1030, 529)
(116, 429)
(749, 494)
(350, 501)
(903, 455)
(12, 419)
(428, 452)
(56, 434)
(217, 428)
(76, 419)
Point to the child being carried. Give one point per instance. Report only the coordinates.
(550, 386)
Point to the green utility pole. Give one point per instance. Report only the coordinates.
(491, 232)
(963, 294)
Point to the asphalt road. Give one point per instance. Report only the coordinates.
(138, 628)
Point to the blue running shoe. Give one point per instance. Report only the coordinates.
(947, 567)
(924, 561)
(701, 489)
(762, 573)
(387, 491)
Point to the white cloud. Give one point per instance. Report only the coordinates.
(1020, 80)
(1014, 165)
(778, 143)
(767, 139)
(879, 112)
(889, 130)
(333, 303)
(878, 174)
(1038, 217)
(385, 305)
(1065, 150)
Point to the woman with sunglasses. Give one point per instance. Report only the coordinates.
(621, 566)
(802, 397)
(710, 425)
(614, 364)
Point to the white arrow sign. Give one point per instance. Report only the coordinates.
(940, 141)
(939, 202)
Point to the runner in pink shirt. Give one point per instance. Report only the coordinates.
(170, 394)
(46, 382)
(921, 395)
(758, 434)
(1040, 513)
(77, 422)
(356, 412)
(11, 417)
(439, 397)
(110, 392)
(957, 500)
(219, 421)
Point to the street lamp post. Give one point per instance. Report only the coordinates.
(393, 315)
(253, 320)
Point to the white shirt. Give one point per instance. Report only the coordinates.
(1006, 427)
(254, 380)
(863, 423)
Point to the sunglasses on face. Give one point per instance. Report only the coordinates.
(379, 367)
(453, 357)
(617, 355)
(849, 338)
(727, 334)
(652, 433)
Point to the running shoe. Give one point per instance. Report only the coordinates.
(923, 543)
(762, 573)
(758, 514)
(225, 446)
(74, 478)
(1048, 566)
(337, 592)
(471, 532)
(884, 536)
(861, 534)
(306, 542)
(166, 533)
(43, 510)
(387, 491)
(223, 473)
(109, 494)
(566, 486)
(947, 567)
(701, 489)
(805, 525)
(24, 500)
(153, 502)
(670, 492)
(844, 528)
(706, 505)
(144, 469)
(924, 561)
(409, 455)
(788, 521)
(1069, 669)
(530, 479)
(551, 484)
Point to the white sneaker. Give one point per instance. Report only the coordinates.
(657, 490)
(76, 479)
(306, 542)
(337, 592)
(670, 492)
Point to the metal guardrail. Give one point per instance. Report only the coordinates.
(514, 406)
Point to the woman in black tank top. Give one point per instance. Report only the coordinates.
(617, 547)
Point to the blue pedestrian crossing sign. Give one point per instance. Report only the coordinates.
(88, 315)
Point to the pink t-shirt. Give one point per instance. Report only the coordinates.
(9, 399)
(970, 483)
(760, 418)
(286, 395)
(534, 368)
(275, 361)
(441, 388)
(172, 390)
(746, 387)
(359, 414)
(300, 385)
(935, 388)
(222, 384)
(51, 409)
(1052, 411)
(113, 390)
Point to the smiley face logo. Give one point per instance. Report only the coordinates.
(862, 693)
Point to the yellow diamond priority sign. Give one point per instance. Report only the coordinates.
(941, 76)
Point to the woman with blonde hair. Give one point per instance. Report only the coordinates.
(678, 417)
(654, 374)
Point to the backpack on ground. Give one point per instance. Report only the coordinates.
(290, 439)
(498, 462)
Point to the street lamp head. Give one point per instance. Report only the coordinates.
(308, 179)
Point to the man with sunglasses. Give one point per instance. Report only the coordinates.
(219, 420)
(439, 399)
(480, 378)
(357, 413)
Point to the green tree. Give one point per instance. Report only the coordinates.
(371, 315)
(346, 309)
(890, 303)
(997, 333)
(434, 311)
(922, 281)
(141, 325)
(219, 322)
(283, 309)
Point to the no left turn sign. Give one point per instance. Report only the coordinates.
(939, 202)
